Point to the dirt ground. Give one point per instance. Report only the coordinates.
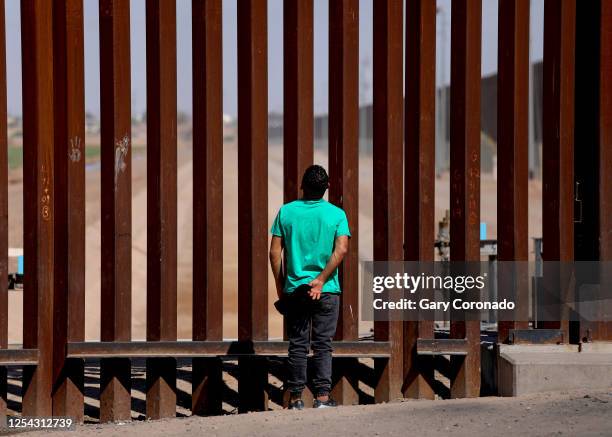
(576, 413)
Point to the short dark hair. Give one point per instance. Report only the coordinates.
(315, 182)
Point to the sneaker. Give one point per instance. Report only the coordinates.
(296, 404)
(329, 403)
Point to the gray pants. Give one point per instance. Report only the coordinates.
(311, 323)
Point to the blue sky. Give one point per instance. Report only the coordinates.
(275, 51)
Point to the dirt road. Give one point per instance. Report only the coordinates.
(572, 414)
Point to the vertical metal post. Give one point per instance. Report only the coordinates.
(465, 175)
(161, 202)
(38, 202)
(3, 213)
(586, 154)
(558, 135)
(388, 151)
(419, 176)
(207, 200)
(116, 175)
(297, 93)
(252, 197)
(513, 142)
(69, 129)
(605, 147)
(344, 171)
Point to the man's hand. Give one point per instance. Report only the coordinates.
(316, 287)
(340, 249)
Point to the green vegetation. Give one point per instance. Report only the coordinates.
(15, 157)
(92, 152)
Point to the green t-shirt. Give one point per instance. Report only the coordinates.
(309, 229)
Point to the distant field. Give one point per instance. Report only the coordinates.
(92, 152)
(15, 155)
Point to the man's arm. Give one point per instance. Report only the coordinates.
(340, 249)
(276, 250)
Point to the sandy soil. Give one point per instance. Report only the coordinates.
(184, 179)
(572, 413)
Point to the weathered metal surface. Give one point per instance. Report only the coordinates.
(536, 336)
(207, 200)
(208, 171)
(447, 346)
(161, 202)
(388, 176)
(69, 267)
(161, 170)
(252, 170)
(38, 201)
(558, 128)
(343, 144)
(592, 225)
(161, 387)
(18, 357)
(252, 195)
(3, 212)
(207, 386)
(144, 349)
(605, 135)
(605, 149)
(343, 165)
(298, 113)
(419, 179)
(116, 203)
(558, 135)
(512, 140)
(465, 174)
(586, 154)
(419, 114)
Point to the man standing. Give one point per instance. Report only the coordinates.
(314, 236)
